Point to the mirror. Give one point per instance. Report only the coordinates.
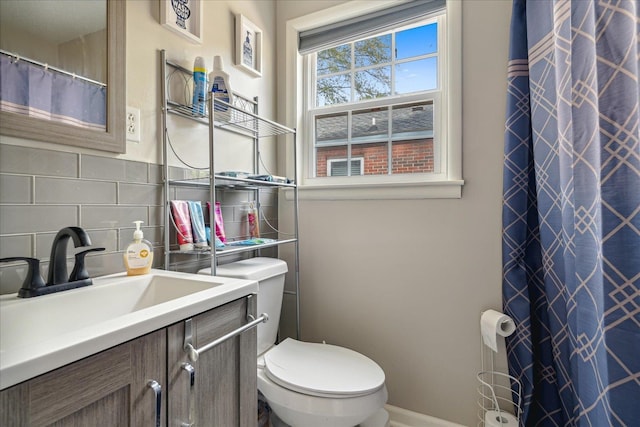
(63, 72)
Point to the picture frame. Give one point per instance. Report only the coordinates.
(248, 46)
(183, 17)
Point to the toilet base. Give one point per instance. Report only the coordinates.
(379, 419)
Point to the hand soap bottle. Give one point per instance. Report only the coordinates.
(138, 257)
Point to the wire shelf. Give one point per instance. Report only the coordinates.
(232, 249)
(237, 116)
(230, 182)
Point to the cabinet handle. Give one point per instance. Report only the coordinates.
(190, 370)
(157, 390)
(194, 353)
(192, 373)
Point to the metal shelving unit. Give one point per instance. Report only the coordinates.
(241, 118)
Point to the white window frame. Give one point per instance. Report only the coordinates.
(447, 184)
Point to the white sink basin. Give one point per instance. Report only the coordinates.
(42, 333)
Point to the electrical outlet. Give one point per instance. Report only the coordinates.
(133, 124)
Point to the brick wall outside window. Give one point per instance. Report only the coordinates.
(414, 156)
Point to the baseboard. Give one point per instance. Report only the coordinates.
(404, 418)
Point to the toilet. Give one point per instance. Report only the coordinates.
(308, 384)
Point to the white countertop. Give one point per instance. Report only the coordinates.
(43, 333)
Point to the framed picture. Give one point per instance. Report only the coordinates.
(248, 46)
(183, 17)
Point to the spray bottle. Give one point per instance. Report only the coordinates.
(199, 87)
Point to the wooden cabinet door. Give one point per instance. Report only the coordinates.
(107, 389)
(225, 389)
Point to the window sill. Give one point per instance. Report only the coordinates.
(390, 191)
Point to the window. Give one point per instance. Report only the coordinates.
(382, 73)
(386, 102)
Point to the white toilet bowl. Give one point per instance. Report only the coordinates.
(308, 384)
(320, 385)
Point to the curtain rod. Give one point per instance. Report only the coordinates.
(49, 67)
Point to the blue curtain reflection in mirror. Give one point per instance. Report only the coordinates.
(38, 91)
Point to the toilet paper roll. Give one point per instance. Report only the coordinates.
(499, 419)
(494, 324)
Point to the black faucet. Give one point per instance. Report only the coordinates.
(58, 258)
(58, 280)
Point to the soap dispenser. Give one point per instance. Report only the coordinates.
(138, 257)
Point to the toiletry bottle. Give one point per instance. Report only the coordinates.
(219, 81)
(253, 220)
(182, 223)
(199, 86)
(138, 257)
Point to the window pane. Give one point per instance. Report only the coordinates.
(333, 90)
(415, 76)
(372, 83)
(417, 41)
(376, 157)
(324, 156)
(412, 133)
(334, 60)
(339, 167)
(412, 119)
(367, 125)
(373, 51)
(414, 156)
(331, 129)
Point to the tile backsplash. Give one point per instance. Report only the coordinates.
(42, 191)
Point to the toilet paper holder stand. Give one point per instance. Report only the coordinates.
(499, 399)
(499, 394)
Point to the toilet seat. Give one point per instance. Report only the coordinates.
(322, 370)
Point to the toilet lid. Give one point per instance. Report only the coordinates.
(322, 369)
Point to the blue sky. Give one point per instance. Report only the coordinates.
(421, 74)
(415, 73)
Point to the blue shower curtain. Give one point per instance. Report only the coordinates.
(571, 211)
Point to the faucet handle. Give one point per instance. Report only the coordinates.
(79, 269)
(32, 280)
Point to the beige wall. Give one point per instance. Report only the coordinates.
(145, 37)
(405, 281)
(402, 281)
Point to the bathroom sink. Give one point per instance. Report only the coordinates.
(41, 333)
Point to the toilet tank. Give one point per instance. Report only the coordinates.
(269, 273)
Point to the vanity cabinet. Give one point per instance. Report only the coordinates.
(107, 389)
(115, 387)
(224, 387)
